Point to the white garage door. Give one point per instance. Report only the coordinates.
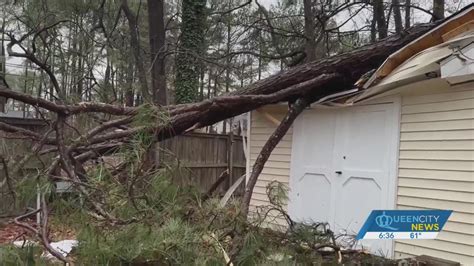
(343, 166)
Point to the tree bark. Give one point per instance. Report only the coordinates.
(129, 94)
(157, 36)
(397, 16)
(156, 32)
(227, 64)
(309, 31)
(379, 16)
(407, 14)
(438, 9)
(135, 45)
(373, 29)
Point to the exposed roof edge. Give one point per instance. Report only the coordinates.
(422, 66)
(427, 40)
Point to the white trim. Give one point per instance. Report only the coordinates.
(292, 184)
(247, 161)
(395, 152)
(244, 138)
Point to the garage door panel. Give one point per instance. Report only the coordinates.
(340, 167)
(365, 138)
(315, 188)
(316, 151)
(365, 196)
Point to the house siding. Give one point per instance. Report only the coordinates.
(436, 170)
(277, 167)
(436, 167)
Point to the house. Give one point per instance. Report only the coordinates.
(404, 141)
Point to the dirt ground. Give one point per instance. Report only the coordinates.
(10, 232)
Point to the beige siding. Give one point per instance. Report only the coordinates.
(436, 170)
(436, 167)
(277, 167)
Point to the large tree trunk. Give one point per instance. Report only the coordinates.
(156, 22)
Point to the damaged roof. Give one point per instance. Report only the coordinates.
(455, 25)
(419, 60)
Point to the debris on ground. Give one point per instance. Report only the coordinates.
(24, 243)
(64, 247)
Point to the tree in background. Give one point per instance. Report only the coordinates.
(157, 35)
(438, 9)
(397, 16)
(379, 21)
(136, 48)
(190, 48)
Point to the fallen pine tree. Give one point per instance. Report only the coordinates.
(299, 86)
(312, 80)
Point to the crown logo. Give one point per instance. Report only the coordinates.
(384, 221)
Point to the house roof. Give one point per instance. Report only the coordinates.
(420, 59)
(422, 66)
(453, 26)
(417, 61)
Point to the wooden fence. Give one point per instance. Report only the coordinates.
(206, 156)
(201, 157)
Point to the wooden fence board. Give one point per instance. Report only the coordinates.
(206, 157)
